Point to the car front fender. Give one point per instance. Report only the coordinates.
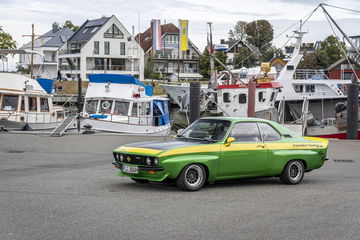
(174, 164)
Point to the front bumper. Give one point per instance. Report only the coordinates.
(151, 173)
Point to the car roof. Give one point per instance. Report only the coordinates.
(239, 119)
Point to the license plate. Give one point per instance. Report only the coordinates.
(130, 169)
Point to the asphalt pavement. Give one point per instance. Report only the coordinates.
(66, 188)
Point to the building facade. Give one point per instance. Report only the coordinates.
(342, 69)
(47, 45)
(170, 62)
(101, 46)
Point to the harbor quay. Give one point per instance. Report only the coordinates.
(67, 188)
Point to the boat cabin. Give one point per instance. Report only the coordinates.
(24, 100)
(124, 99)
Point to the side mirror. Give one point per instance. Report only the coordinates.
(229, 141)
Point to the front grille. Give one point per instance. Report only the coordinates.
(134, 159)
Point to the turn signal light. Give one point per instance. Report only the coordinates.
(152, 172)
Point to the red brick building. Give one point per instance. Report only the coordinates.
(342, 69)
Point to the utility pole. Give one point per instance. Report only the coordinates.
(32, 49)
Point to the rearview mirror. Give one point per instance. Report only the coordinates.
(229, 141)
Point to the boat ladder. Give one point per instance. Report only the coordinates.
(63, 126)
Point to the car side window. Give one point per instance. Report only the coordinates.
(245, 132)
(268, 132)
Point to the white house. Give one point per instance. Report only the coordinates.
(101, 46)
(47, 45)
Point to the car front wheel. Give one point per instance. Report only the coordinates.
(293, 172)
(192, 177)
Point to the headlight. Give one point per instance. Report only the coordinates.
(121, 157)
(156, 161)
(148, 161)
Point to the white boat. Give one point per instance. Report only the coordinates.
(122, 104)
(24, 102)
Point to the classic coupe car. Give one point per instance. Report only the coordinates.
(220, 148)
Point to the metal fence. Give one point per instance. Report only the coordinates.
(33, 117)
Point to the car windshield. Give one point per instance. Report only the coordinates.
(211, 130)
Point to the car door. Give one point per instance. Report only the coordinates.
(273, 141)
(246, 156)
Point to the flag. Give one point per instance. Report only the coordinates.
(183, 28)
(156, 34)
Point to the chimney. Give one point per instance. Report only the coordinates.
(222, 41)
(55, 27)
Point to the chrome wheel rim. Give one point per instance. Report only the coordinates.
(295, 171)
(194, 176)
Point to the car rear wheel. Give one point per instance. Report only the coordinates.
(192, 177)
(293, 172)
(140, 180)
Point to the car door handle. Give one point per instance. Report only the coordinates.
(260, 146)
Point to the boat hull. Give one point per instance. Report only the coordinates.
(18, 126)
(126, 128)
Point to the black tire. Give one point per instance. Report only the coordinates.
(192, 177)
(293, 172)
(140, 180)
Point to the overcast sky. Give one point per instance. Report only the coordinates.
(16, 16)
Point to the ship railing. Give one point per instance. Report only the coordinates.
(310, 74)
(33, 117)
(137, 120)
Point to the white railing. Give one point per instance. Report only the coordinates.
(32, 117)
(142, 120)
(310, 74)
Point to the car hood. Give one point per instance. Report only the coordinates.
(156, 147)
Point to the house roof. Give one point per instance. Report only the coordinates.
(52, 38)
(146, 37)
(233, 42)
(88, 29)
(343, 60)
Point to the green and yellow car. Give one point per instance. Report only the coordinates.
(221, 148)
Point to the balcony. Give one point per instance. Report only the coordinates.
(112, 68)
(175, 57)
(69, 51)
(175, 70)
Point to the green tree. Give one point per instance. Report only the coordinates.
(238, 32)
(329, 53)
(6, 42)
(244, 58)
(270, 53)
(259, 33)
(204, 63)
(70, 25)
(23, 69)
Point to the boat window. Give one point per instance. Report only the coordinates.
(262, 96)
(121, 108)
(134, 110)
(32, 104)
(22, 107)
(272, 96)
(298, 88)
(44, 105)
(245, 132)
(242, 98)
(144, 108)
(310, 88)
(105, 106)
(226, 97)
(9, 102)
(268, 132)
(91, 106)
